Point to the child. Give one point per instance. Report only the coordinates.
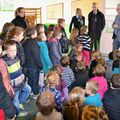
(85, 40)
(5, 75)
(116, 63)
(45, 104)
(63, 40)
(74, 36)
(95, 56)
(22, 89)
(16, 34)
(40, 28)
(109, 63)
(73, 108)
(32, 59)
(55, 47)
(111, 101)
(99, 71)
(62, 87)
(91, 112)
(44, 53)
(67, 73)
(49, 34)
(81, 75)
(53, 80)
(93, 98)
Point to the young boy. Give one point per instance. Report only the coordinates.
(67, 74)
(64, 40)
(22, 89)
(93, 97)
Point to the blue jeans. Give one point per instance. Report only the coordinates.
(116, 44)
(33, 79)
(21, 96)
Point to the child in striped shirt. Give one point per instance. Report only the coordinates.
(85, 40)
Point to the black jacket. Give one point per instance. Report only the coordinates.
(5, 102)
(111, 103)
(77, 23)
(20, 21)
(32, 54)
(100, 23)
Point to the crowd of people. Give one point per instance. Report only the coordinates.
(67, 83)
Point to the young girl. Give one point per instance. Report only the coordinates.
(74, 36)
(46, 104)
(16, 34)
(45, 59)
(55, 47)
(85, 40)
(49, 34)
(53, 80)
(95, 56)
(5, 75)
(72, 109)
(99, 72)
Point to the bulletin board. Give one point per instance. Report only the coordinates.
(55, 11)
(85, 5)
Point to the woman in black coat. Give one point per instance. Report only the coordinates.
(19, 19)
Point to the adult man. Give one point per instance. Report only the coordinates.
(116, 32)
(96, 23)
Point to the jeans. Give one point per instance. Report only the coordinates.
(21, 96)
(33, 79)
(116, 44)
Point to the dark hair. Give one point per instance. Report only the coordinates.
(110, 55)
(65, 61)
(38, 26)
(115, 81)
(45, 102)
(30, 31)
(51, 27)
(9, 43)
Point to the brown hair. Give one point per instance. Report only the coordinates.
(15, 31)
(45, 102)
(9, 43)
(57, 32)
(91, 112)
(93, 86)
(83, 29)
(18, 10)
(96, 54)
(38, 26)
(80, 65)
(75, 100)
(60, 20)
(118, 54)
(73, 38)
(99, 70)
(30, 31)
(58, 69)
(65, 61)
(101, 61)
(76, 47)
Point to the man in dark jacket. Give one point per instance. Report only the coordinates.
(96, 23)
(78, 20)
(111, 101)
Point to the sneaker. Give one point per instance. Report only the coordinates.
(22, 113)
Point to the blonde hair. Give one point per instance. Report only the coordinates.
(99, 70)
(60, 20)
(83, 29)
(96, 54)
(76, 47)
(91, 112)
(93, 86)
(18, 10)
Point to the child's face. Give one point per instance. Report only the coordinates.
(11, 51)
(79, 58)
(19, 37)
(87, 90)
(34, 35)
(80, 48)
(41, 30)
(58, 36)
(62, 24)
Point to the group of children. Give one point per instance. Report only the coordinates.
(74, 85)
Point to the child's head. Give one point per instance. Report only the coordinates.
(91, 87)
(117, 54)
(91, 112)
(95, 54)
(11, 49)
(78, 57)
(31, 32)
(57, 34)
(115, 81)
(40, 28)
(80, 65)
(53, 79)
(65, 61)
(101, 61)
(78, 48)
(49, 34)
(16, 33)
(1, 51)
(41, 37)
(58, 69)
(61, 22)
(45, 102)
(110, 55)
(51, 27)
(83, 30)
